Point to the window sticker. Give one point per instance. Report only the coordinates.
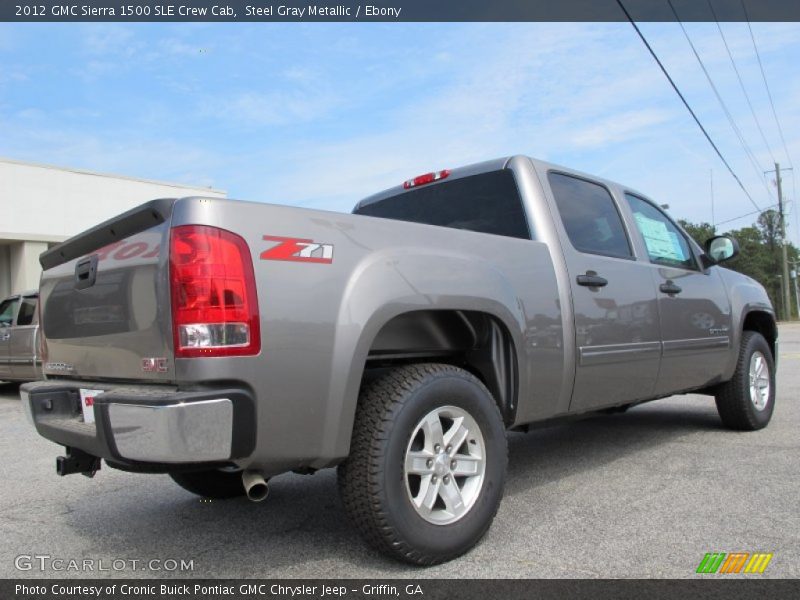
(660, 242)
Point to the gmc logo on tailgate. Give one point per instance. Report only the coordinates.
(297, 250)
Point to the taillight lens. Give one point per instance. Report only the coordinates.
(213, 288)
(426, 178)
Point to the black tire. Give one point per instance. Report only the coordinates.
(734, 403)
(372, 481)
(215, 483)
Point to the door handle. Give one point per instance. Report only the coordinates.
(86, 272)
(5, 336)
(670, 288)
(591, 279)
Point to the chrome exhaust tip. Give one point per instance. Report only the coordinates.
(255, 486)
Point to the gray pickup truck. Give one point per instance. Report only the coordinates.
(19, 338)
(226, 342)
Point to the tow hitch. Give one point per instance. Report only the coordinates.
(77, 461)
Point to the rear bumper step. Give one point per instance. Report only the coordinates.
(137, 425)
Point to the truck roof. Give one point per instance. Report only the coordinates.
(491, 165)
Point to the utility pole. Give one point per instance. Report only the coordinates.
(787, 299)
(796, 291)
(793, 274)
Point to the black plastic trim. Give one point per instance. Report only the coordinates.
(125, 225)
(157, 468)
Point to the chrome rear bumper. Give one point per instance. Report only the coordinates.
(173, 433)
(145, 424)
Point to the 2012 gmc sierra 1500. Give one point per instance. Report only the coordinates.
(225, 342)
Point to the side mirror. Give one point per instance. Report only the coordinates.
(721, 248)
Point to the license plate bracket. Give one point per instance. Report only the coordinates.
(87, 403)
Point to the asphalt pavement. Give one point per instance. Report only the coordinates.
(641, 494)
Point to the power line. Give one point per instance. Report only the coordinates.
(772, 106)
(766, 85)
(752, 212)
(741, 83)
(748, 152)
(686, 104)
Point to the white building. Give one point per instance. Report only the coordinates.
(41, 205)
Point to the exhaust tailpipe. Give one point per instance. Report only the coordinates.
(255, 485)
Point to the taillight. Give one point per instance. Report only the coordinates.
(213, 289)
(426, 178)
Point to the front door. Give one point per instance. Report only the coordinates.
(693, 305)
(8, 310)
(613, 297)
(22, 345)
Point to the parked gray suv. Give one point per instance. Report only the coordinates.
(225, 342)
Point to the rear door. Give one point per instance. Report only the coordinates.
(613, 297)
(22, 344)
(693, 304)
(8, 310)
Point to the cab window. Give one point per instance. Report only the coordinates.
(7, 310)
(27, 311)
(487, 203)
(590, 216)
(666, 244)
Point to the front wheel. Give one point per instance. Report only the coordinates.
(427, 463)
(746, 401)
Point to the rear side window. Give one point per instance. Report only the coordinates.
(27, 311)
(590, 216)
(487, 203)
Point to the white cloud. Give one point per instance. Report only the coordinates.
(258, 109)
(501, 97)
(619, 128)
(107, 39)
(131, 154)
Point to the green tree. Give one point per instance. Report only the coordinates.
(760, 251)
(700, 232)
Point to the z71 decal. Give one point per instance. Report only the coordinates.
(298, 250)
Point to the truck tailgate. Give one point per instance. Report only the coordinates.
(105, 300)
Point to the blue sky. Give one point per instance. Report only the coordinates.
(320, 115)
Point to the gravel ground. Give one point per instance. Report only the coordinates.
(642, 494)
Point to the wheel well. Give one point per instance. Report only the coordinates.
(764, 324)
(472, 340)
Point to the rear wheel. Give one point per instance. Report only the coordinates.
(746, 401)
(427, 463)
(215, 483)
